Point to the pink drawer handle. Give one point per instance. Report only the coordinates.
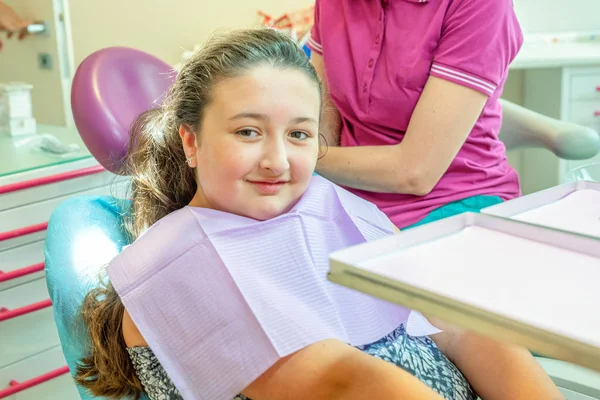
(23, 231)
(32, 269)
(16, 387)
(6, 314)
(597, 88)
(597, 113)
(13, 187)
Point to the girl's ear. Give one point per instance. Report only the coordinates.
(188, 140)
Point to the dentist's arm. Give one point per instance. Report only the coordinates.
(441, 122)
(331, 122)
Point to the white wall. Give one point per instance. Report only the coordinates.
(166, 27)
(163, 28)
(537, 16)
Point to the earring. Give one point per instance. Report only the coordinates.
(189, 160)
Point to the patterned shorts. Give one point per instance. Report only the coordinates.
(421, 357)
(417, 355)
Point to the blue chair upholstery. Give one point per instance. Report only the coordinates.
(84, 234)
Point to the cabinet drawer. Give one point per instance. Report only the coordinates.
(16, 220)
(44, 188)
(38, 213)
(585, 112)
(31, 331)
(6, 245)
(29, 334)
(22, 295)
(585, 87)
(58, 388)
(19, 260)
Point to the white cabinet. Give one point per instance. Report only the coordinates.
(31, 333)
(22, 261)
(585, 85)
(47, 367)
(29, 344)
(570, 94)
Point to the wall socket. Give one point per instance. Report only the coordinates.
(45, 61)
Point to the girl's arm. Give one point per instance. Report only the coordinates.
(495, 370)
(327, 370)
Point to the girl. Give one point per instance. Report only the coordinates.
(224, 294)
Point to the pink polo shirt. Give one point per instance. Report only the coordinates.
(378, 55)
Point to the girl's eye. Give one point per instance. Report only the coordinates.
(248, 133)
(299, 135)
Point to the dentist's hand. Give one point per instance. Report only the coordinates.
(11, 22)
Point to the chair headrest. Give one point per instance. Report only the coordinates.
(110, 89)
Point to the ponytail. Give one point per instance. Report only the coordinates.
(161, 181)
(107, 371)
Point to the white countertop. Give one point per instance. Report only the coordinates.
(558, 50)
(18, 153)
(557, 55)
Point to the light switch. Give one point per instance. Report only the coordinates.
(45, 60)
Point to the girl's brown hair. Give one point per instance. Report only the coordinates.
(161, 182)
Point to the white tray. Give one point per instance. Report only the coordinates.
(517, 282)
(572, 207)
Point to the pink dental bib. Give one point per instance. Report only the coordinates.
(220, 298)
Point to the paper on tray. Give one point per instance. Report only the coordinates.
(551, 288)
(577, 212)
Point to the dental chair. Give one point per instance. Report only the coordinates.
(114, 85)
(110, 88)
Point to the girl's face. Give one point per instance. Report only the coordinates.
(258, 144)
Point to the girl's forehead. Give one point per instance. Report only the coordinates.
(269, 89)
